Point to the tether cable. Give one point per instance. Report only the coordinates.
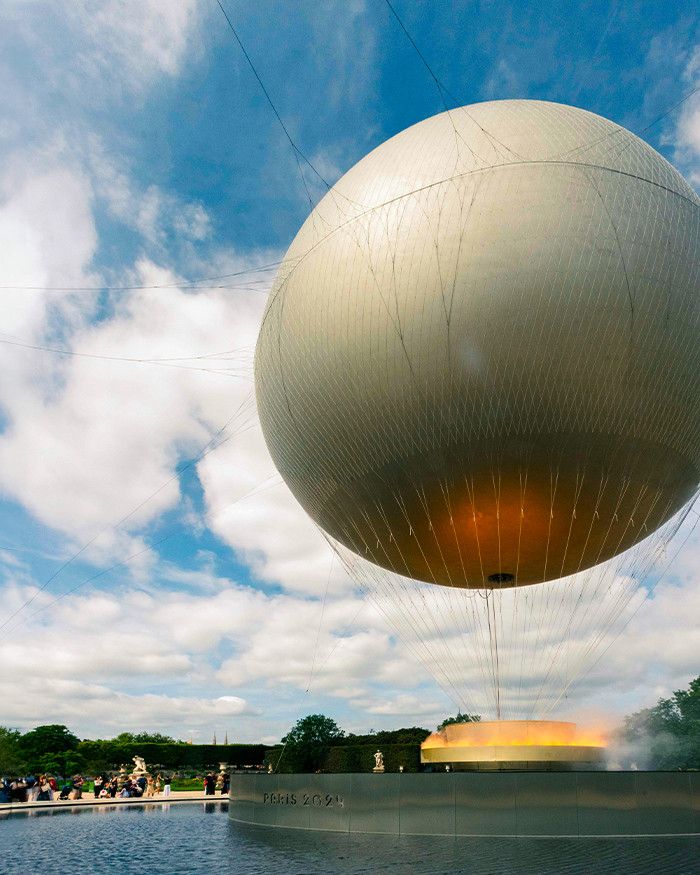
(442, 90)
(190, 285)
(297, 151)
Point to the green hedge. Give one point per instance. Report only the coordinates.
(360, 757)
(101, 755)
(354, 758)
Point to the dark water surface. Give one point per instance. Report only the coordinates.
(198, 838)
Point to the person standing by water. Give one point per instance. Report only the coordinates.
(45, 791)
(32, 788)
(209, 784)
(225, 784)
(99, 782)
(18, 790)
(77, 784)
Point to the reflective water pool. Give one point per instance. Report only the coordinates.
(199, 837)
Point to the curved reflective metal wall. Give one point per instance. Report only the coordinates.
(479, 363)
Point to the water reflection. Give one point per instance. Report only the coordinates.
(198, 837)
(352, 854)
(107, 808)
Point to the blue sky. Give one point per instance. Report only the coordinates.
(138, 150)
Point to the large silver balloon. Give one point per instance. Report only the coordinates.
(479, 365)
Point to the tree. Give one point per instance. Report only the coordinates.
(460, 718)
(666, 736)
(52, 737)
(306, 745)
(406, 735)
(144, 738)
(688, 704)
(53, 742)
(11, 759)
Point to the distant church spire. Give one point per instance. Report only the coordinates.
(214, 739)
(226, 737)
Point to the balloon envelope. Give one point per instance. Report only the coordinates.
(479, 364)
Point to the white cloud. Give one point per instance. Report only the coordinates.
(398, 706)
(503, 81)
(687, 134)
(129, 642)
(89, 439)
(124, 44)
(157, 216)
(269, 529)
(345, 34)
(77, 705)
(137, 36)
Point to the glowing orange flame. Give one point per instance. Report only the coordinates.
(515, 733)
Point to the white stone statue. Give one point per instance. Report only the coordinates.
(140, 766)
(378, 762)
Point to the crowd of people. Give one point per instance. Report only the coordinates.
(212, 782)
(133, 787)
(28, 789)
(45, 788)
